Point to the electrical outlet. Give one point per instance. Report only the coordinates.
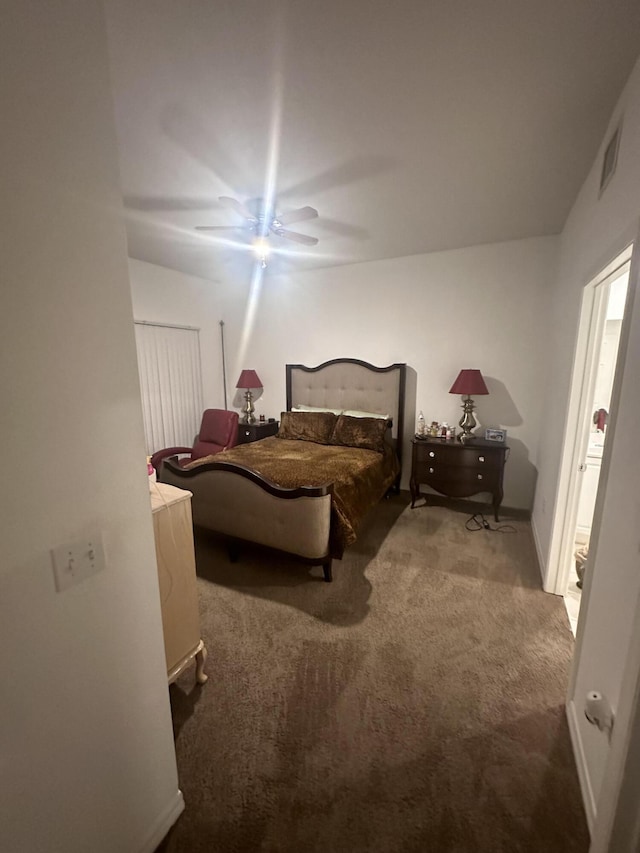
(75, 561)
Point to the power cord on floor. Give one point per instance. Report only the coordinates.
(479, 522)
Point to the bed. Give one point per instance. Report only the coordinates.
(307, 490)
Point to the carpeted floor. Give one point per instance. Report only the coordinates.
(415, 704)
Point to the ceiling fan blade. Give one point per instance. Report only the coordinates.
(170, 203)
(219, 227)
(297, 238)
(297, 215)
(343, 229)
(236, 205)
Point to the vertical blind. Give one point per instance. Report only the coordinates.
(170, 384)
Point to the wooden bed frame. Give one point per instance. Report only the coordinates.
(237, 502)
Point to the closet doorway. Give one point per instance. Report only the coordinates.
(590, 404)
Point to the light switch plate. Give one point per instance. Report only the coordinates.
(75, 561)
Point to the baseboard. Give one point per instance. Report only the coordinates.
(588, 799)
(471, 505)
(163, 824)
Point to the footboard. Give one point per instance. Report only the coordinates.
(237, 502)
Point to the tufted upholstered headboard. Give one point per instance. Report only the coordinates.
(348, 383)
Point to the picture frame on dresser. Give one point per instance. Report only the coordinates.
(495, 434)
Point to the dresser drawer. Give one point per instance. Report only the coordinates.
(459, 482)
(254, 432)
(462, 457)
(426, 472)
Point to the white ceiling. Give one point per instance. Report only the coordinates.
(411, 126)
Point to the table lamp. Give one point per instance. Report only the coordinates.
(468, 382)
(249, 381)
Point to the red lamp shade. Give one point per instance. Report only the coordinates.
(249, 379)
(469, 383)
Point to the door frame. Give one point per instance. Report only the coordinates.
(614, 820)
(583, 378)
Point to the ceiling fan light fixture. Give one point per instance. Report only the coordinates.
(262, 250)
(261, 220)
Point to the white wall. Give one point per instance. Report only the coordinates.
(484, 307)
(597, 229)
(162, 295)
(86, 746)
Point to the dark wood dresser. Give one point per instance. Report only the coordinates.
(256, 431)
(458, 470)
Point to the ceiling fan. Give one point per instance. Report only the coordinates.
(261, 220)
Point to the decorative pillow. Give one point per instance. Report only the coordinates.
(307, 426)
(354, 413)
(366, 433)
(316, 409)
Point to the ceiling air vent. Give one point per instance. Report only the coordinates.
(610, 158)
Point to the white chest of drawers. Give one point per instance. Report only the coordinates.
(173, 531)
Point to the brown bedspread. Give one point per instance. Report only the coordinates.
(360, 477)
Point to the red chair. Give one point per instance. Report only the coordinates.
(218, 431)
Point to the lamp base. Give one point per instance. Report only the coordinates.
(467, 421)
(248, 417)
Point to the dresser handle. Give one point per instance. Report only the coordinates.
(247, 432)
(480, 458)
(431, 453)
(431, 470)
(479, 476)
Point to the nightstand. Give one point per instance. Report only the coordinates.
(458, 470)
(256, 431)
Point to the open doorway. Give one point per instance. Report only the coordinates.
(610, 301)
(589, 414)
